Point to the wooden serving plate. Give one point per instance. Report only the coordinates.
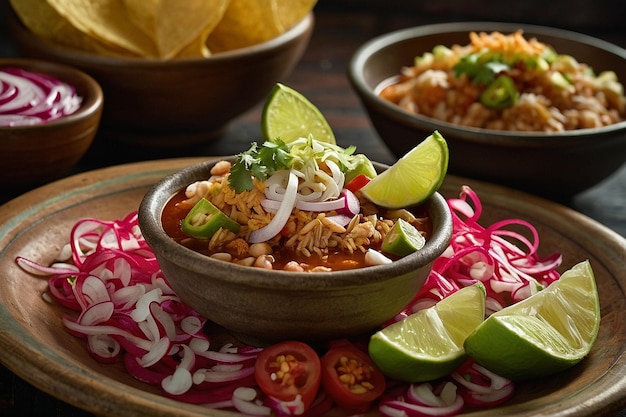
(35, 346)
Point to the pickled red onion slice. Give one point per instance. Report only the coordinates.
(503, 256)
(128, 312)
(29, 98)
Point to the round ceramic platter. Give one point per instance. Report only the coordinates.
(35, 346)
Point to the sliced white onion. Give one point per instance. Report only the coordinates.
(282, 215)
(373, 257)
(497, 381)
(422, 394)
(103, 346)
(492, 305)
(97, 313)
(332, 189)
(191, 325)
(340, 219)
(271, 206)
(396, 408)
(211, 375)
(244, 401)
(93, 291)
(156, 352)
(493, 396)
(223, 357)
(338, 177)
(321, 206)
(276, 185)
(162, 320)
(502, 286)
(111, 330)
(142, 308)
(126, 297)
(179, 382)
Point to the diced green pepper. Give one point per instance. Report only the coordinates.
(559, 80)
(442, 52)
(500, 93)
(204, 219)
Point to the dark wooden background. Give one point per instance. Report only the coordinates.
(341, 27)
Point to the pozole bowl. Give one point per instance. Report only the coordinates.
(177, 102)
(555, 165)
(32, 154)
(260, 306)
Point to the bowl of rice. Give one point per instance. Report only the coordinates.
(534, 108)
(305, 283)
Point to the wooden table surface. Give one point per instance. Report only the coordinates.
(321, 76)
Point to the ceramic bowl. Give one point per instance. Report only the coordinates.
(554, 165)
(34, 154)
(261, 306)
(172, 103)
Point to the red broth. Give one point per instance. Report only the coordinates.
(173, 215)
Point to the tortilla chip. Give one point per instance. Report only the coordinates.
(249, 22)
(106, 21)
(291, 12)
(160, 29)
(196, 48)
(44, 21)
(175, 26)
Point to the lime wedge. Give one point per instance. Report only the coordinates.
(289, 115)
(413, 178)
(544, 334)
(403, 239)
(429, 344)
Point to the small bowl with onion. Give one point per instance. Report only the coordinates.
(562, 133)
(179, 101)
(49, 117)
(303, 284)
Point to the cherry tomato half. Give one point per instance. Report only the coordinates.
(350, 377)
(288, 369)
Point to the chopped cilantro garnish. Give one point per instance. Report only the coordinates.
(273, 155)
(259, 162)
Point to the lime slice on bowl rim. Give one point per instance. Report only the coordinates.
(288, 115)
(546, 333)
(413, 178)
(428, 344)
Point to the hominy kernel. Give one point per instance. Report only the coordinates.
(249, 261)
(264, 261)
(222, 256)
(258, 249)
(221, 168)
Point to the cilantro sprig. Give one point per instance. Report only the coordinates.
(258, 162)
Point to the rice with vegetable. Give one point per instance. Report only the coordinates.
(508, 82)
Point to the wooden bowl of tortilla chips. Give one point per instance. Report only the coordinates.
(175, 75)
